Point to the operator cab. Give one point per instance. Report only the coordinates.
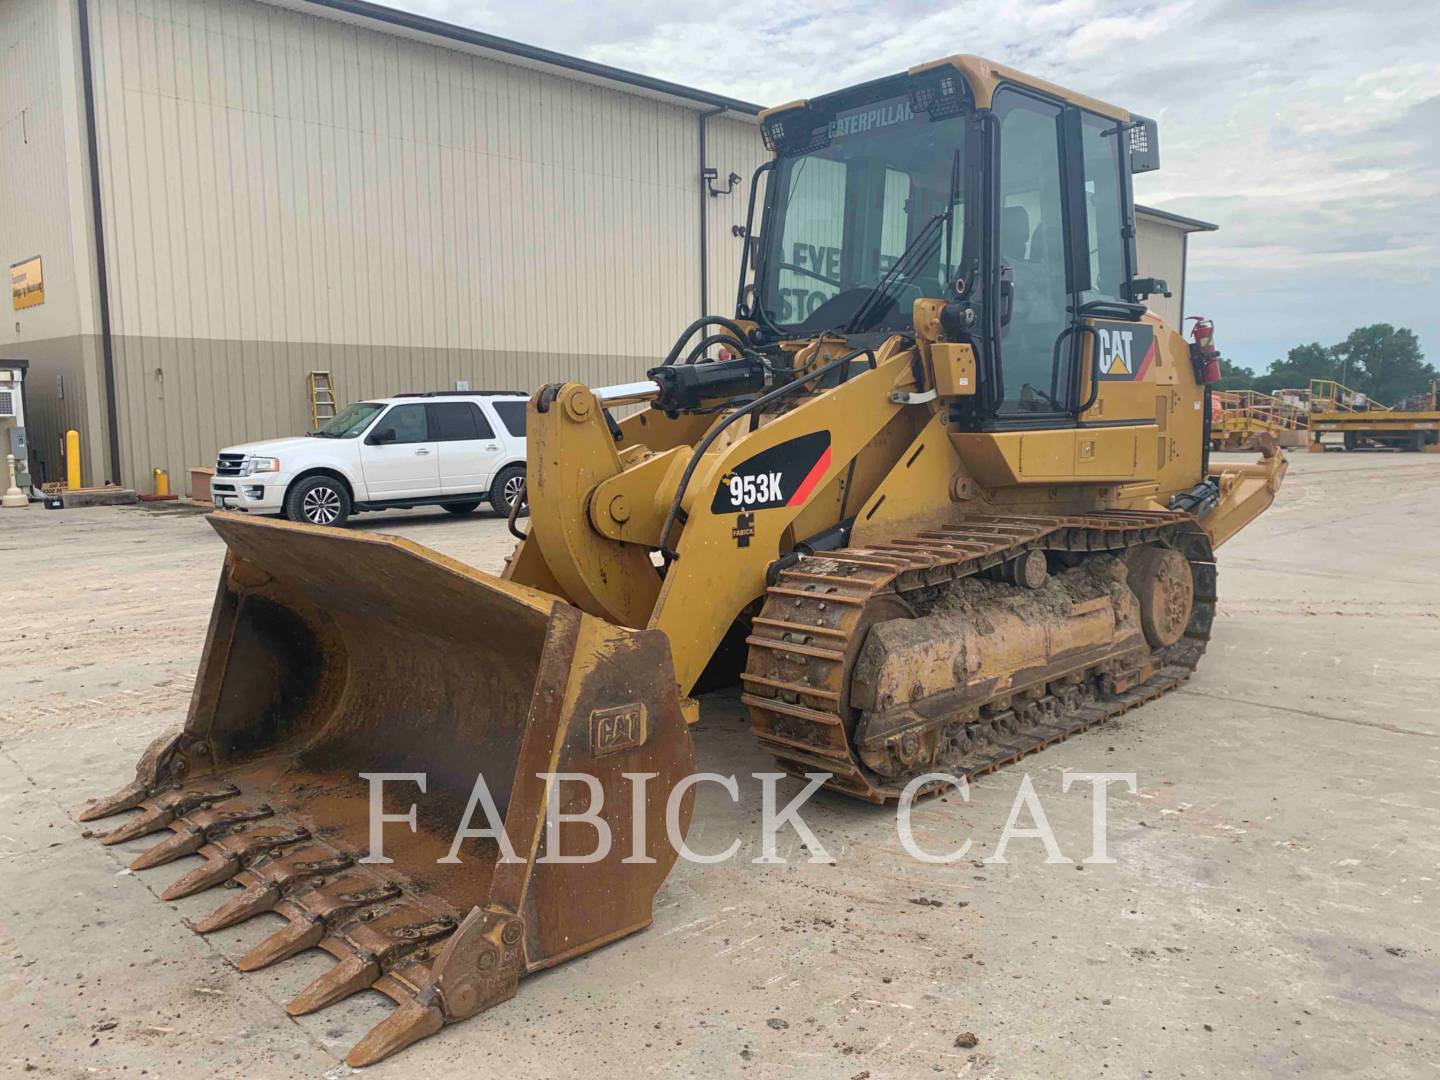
(961, 181)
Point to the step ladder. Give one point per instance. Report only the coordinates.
(322, 399)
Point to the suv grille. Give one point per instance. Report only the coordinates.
(228, 464)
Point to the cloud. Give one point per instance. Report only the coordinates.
(1310, 132)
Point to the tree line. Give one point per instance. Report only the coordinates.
(1382, 361)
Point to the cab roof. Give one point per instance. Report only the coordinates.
(984, 77)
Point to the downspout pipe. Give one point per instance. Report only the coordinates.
(705, 217)
(102, 279)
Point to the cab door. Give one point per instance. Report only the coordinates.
(398, 457)
(1036, 298)
(1068, 328)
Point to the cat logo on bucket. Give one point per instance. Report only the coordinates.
(616, 729)
(1125, 351)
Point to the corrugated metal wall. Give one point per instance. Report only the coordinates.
(34, 214)
(37, 177)
(1160, 251)
(731, 146)
(284, 192)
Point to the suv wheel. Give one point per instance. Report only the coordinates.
(462, 508)
(318, 500)
(508, 486)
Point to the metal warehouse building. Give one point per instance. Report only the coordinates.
(213, 198)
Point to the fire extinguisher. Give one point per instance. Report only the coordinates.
(1202, 350)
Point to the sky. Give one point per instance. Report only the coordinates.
(1309, 130)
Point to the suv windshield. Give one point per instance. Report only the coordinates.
(881, 204)
(351, 421)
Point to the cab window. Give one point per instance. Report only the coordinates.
(1032, 255)
(1101, 146)
(810, 271)
(866, 224)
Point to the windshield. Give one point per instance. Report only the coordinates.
(881, 205)
(351, 421)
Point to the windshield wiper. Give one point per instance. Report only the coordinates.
(882, 287)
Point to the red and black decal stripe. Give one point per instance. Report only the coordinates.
(818, 470)
(1148, 359)
(786, 474)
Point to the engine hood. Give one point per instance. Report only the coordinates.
(276, 447)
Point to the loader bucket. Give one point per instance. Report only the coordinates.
(333, 656)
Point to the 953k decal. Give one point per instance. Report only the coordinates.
(784, 475)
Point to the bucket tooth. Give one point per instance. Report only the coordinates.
(215, 869)
(272, 877)
(127, 798)
(174, 846)
(254, 900)
(283, 944)
(193, 830)
(410, 1023)
(159, 811)
(351, 975)
(152, 820)
(227, 855)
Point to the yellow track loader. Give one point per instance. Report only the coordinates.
(938, 496)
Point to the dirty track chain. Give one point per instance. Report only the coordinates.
(805, 640)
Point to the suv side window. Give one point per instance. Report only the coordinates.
(512, 415)
(454, 421)
(409, 423)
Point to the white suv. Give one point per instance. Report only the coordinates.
(448, 449)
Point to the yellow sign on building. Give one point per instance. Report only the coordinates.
(27, 283)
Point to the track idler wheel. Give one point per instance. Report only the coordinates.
(1161, 580)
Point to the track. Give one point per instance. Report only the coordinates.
(816, 616)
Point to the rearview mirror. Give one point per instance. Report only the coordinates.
(382, 435)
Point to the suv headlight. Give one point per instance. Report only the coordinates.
(252, 465)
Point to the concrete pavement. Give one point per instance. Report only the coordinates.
(1271, 910)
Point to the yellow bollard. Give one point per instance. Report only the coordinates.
(72, 460)
(162, 482)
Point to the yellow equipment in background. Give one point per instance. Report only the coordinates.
(938, 495)
(1414, 424)
(1241, 415)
